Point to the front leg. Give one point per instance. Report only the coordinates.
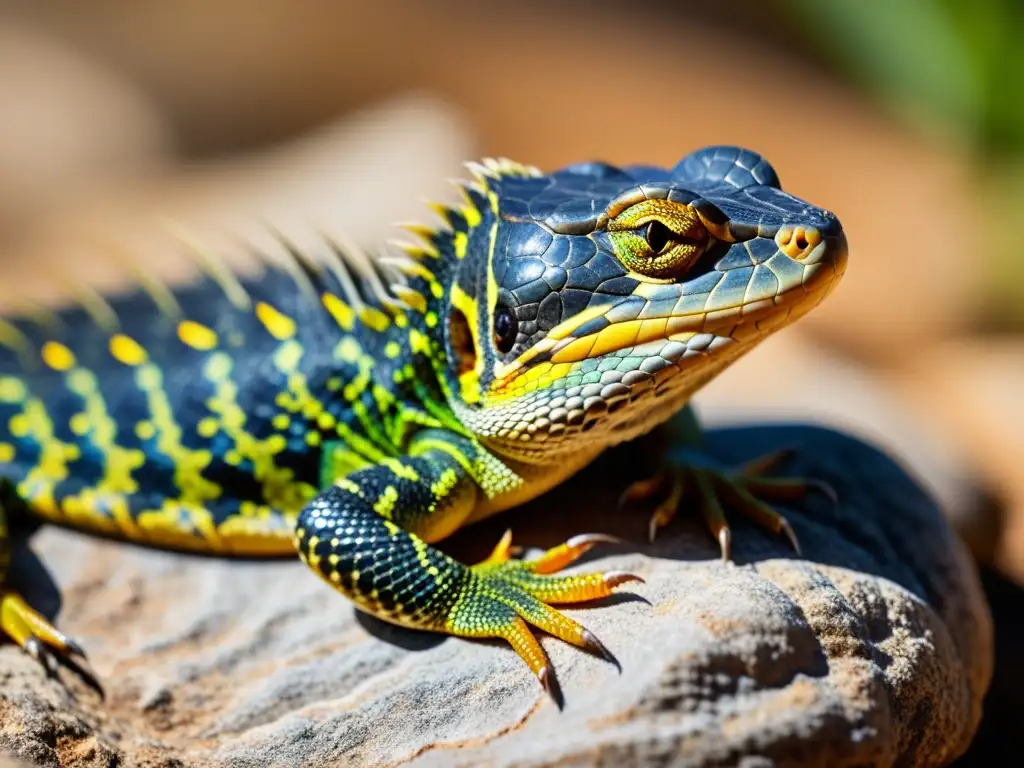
(749, 490)
(367, 536)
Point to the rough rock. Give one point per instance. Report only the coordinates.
(873, 648)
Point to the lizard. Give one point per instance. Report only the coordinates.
(355, 411)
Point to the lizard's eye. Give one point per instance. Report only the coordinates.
(657, 238)
(505, 329)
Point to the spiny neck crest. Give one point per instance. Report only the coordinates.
(445, 266)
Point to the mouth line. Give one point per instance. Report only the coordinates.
(624, 335)
(561, 347)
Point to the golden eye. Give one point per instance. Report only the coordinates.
(658, 238)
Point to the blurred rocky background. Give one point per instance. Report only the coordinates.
(905, 117)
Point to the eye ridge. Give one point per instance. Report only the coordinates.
(506, 328)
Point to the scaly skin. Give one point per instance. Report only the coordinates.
(319, 409)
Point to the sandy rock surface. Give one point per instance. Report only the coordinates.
(874, 648)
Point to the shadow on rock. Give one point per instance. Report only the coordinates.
(30, 577)
(1000, 735)
(403, 637)
(884, 525)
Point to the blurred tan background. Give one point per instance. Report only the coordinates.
(905, 117)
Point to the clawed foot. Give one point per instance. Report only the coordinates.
(504, 597)
(39, 638)
(747, 490)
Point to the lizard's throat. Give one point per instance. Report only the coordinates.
(626, 396)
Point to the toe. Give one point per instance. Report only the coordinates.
(666, 510)
(26, 626)
(643, 489)
(766, 463)
(502, 551)
(557, 624)
(575, 588)
(713, 513)
(505, 603)
(557, 558)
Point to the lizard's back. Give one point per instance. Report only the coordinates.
(194, 419)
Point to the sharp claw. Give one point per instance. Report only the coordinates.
(595, 646)
(725, 543)
(38, 650)
(615, 578)
(790, 534)
(74, 647)
(547, 679)
(503, 551)
(591, 539)
(544, 675)
(625, 497)
(500, 553)
(34, 648)
(826, 489)
(86, 672)
(652, 528)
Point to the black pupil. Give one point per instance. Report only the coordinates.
(657, 236)
(504, 329)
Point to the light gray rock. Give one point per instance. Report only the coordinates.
(875, 648)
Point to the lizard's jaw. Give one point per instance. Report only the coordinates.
(616, 370)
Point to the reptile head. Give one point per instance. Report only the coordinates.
(586, 306)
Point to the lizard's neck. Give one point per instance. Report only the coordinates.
(537, 479)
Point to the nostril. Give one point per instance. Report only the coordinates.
(797, 242)
(810, 237)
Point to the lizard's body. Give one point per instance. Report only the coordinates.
(323, 410)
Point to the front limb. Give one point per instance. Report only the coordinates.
(367, 536)
(689, 471)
